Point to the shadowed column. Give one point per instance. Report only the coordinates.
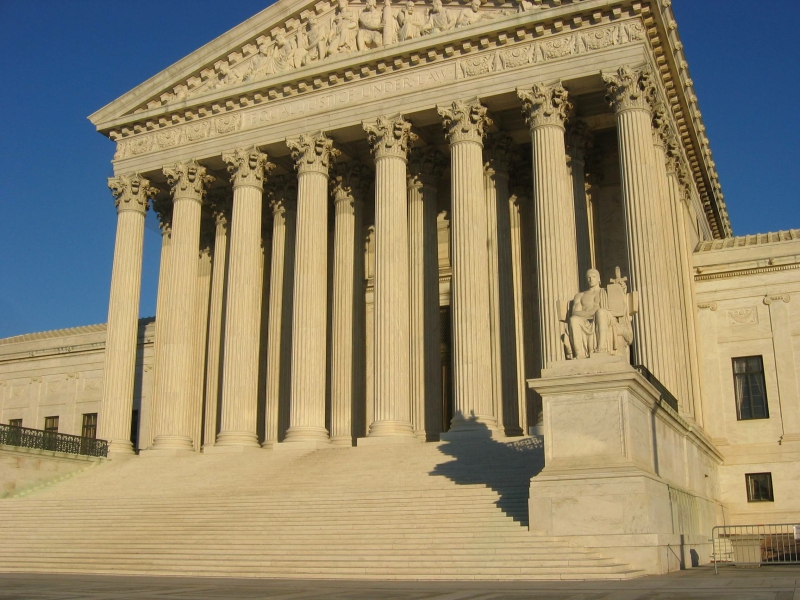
(238, 428)
(464, 124)
(173, 425)
(131, 194)
(425, 169)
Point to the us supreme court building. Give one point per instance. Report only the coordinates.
(446, 290)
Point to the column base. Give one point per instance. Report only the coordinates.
(121, 448)
(344, 441)
(390, 429)
(235, 441)
(473, 427)
(172, 442)
(458, 435)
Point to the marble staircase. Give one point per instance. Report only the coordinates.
(429, 511)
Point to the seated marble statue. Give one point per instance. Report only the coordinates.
(599, 320)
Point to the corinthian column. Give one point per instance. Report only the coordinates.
(579, 141)
(390, 138)
(546, 109)
(279, 336)
(424, 172)
(220, 207)
(473, 407)
(163, 209)
(131, 194)
(248, 167)
(313, 154)
(348, 204)
(498, 156)
(174, 422)
(677, 337)
(629, 92)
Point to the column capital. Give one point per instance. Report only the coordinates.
(282, 193)
(390, 136)
(350, 183)
(662, 128)
(247, 166)
(630, 88)
(545, 105)
(579, 140)
(188, 180)
(131, 192)
(499, 154)
(163, 210)
(425, 166)
(464, 120)
(312, 152)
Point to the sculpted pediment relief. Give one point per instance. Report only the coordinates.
(324, 31)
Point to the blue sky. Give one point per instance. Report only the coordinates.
(64, 60)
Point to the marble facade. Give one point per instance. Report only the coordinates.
(373, 223)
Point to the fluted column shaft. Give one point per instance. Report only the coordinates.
(629, 91)
(173, 426)
(238, 422)
(688, 302)
(425, 171)
(164, 210)
(472, 398)
(131, 197)
(679, 348)
(312, 154)
(347, 203)
(390, 138)
(280, 314)
(546, 108)
(579, 140)
(216, 320)
(200, 344)
(515, 236)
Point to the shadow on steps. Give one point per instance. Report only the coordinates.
(506, 466)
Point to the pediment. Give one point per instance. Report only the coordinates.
(296, 35)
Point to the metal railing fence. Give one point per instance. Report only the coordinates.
(24, 437)
(773, 544)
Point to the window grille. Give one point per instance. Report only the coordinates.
(759, 487)
(89, 429)
(750, 388)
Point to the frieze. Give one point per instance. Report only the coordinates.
(516, 56)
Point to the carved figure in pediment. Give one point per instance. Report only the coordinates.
(439, 19)
(370, 27)
(262, 64)
(283, 54)
(528, 5)
(599, 320)
(471, 14)
(411, 24)
(312, 42)
(225, 76)
(344, 30)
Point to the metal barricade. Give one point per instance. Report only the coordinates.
(774, 544)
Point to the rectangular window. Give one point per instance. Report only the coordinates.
(15, 422)
(750, 387)
(759, 487)
(51, 424)
(89, 429)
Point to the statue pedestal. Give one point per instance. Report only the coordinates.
(624, 472)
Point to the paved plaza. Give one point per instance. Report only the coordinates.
(766, 583)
